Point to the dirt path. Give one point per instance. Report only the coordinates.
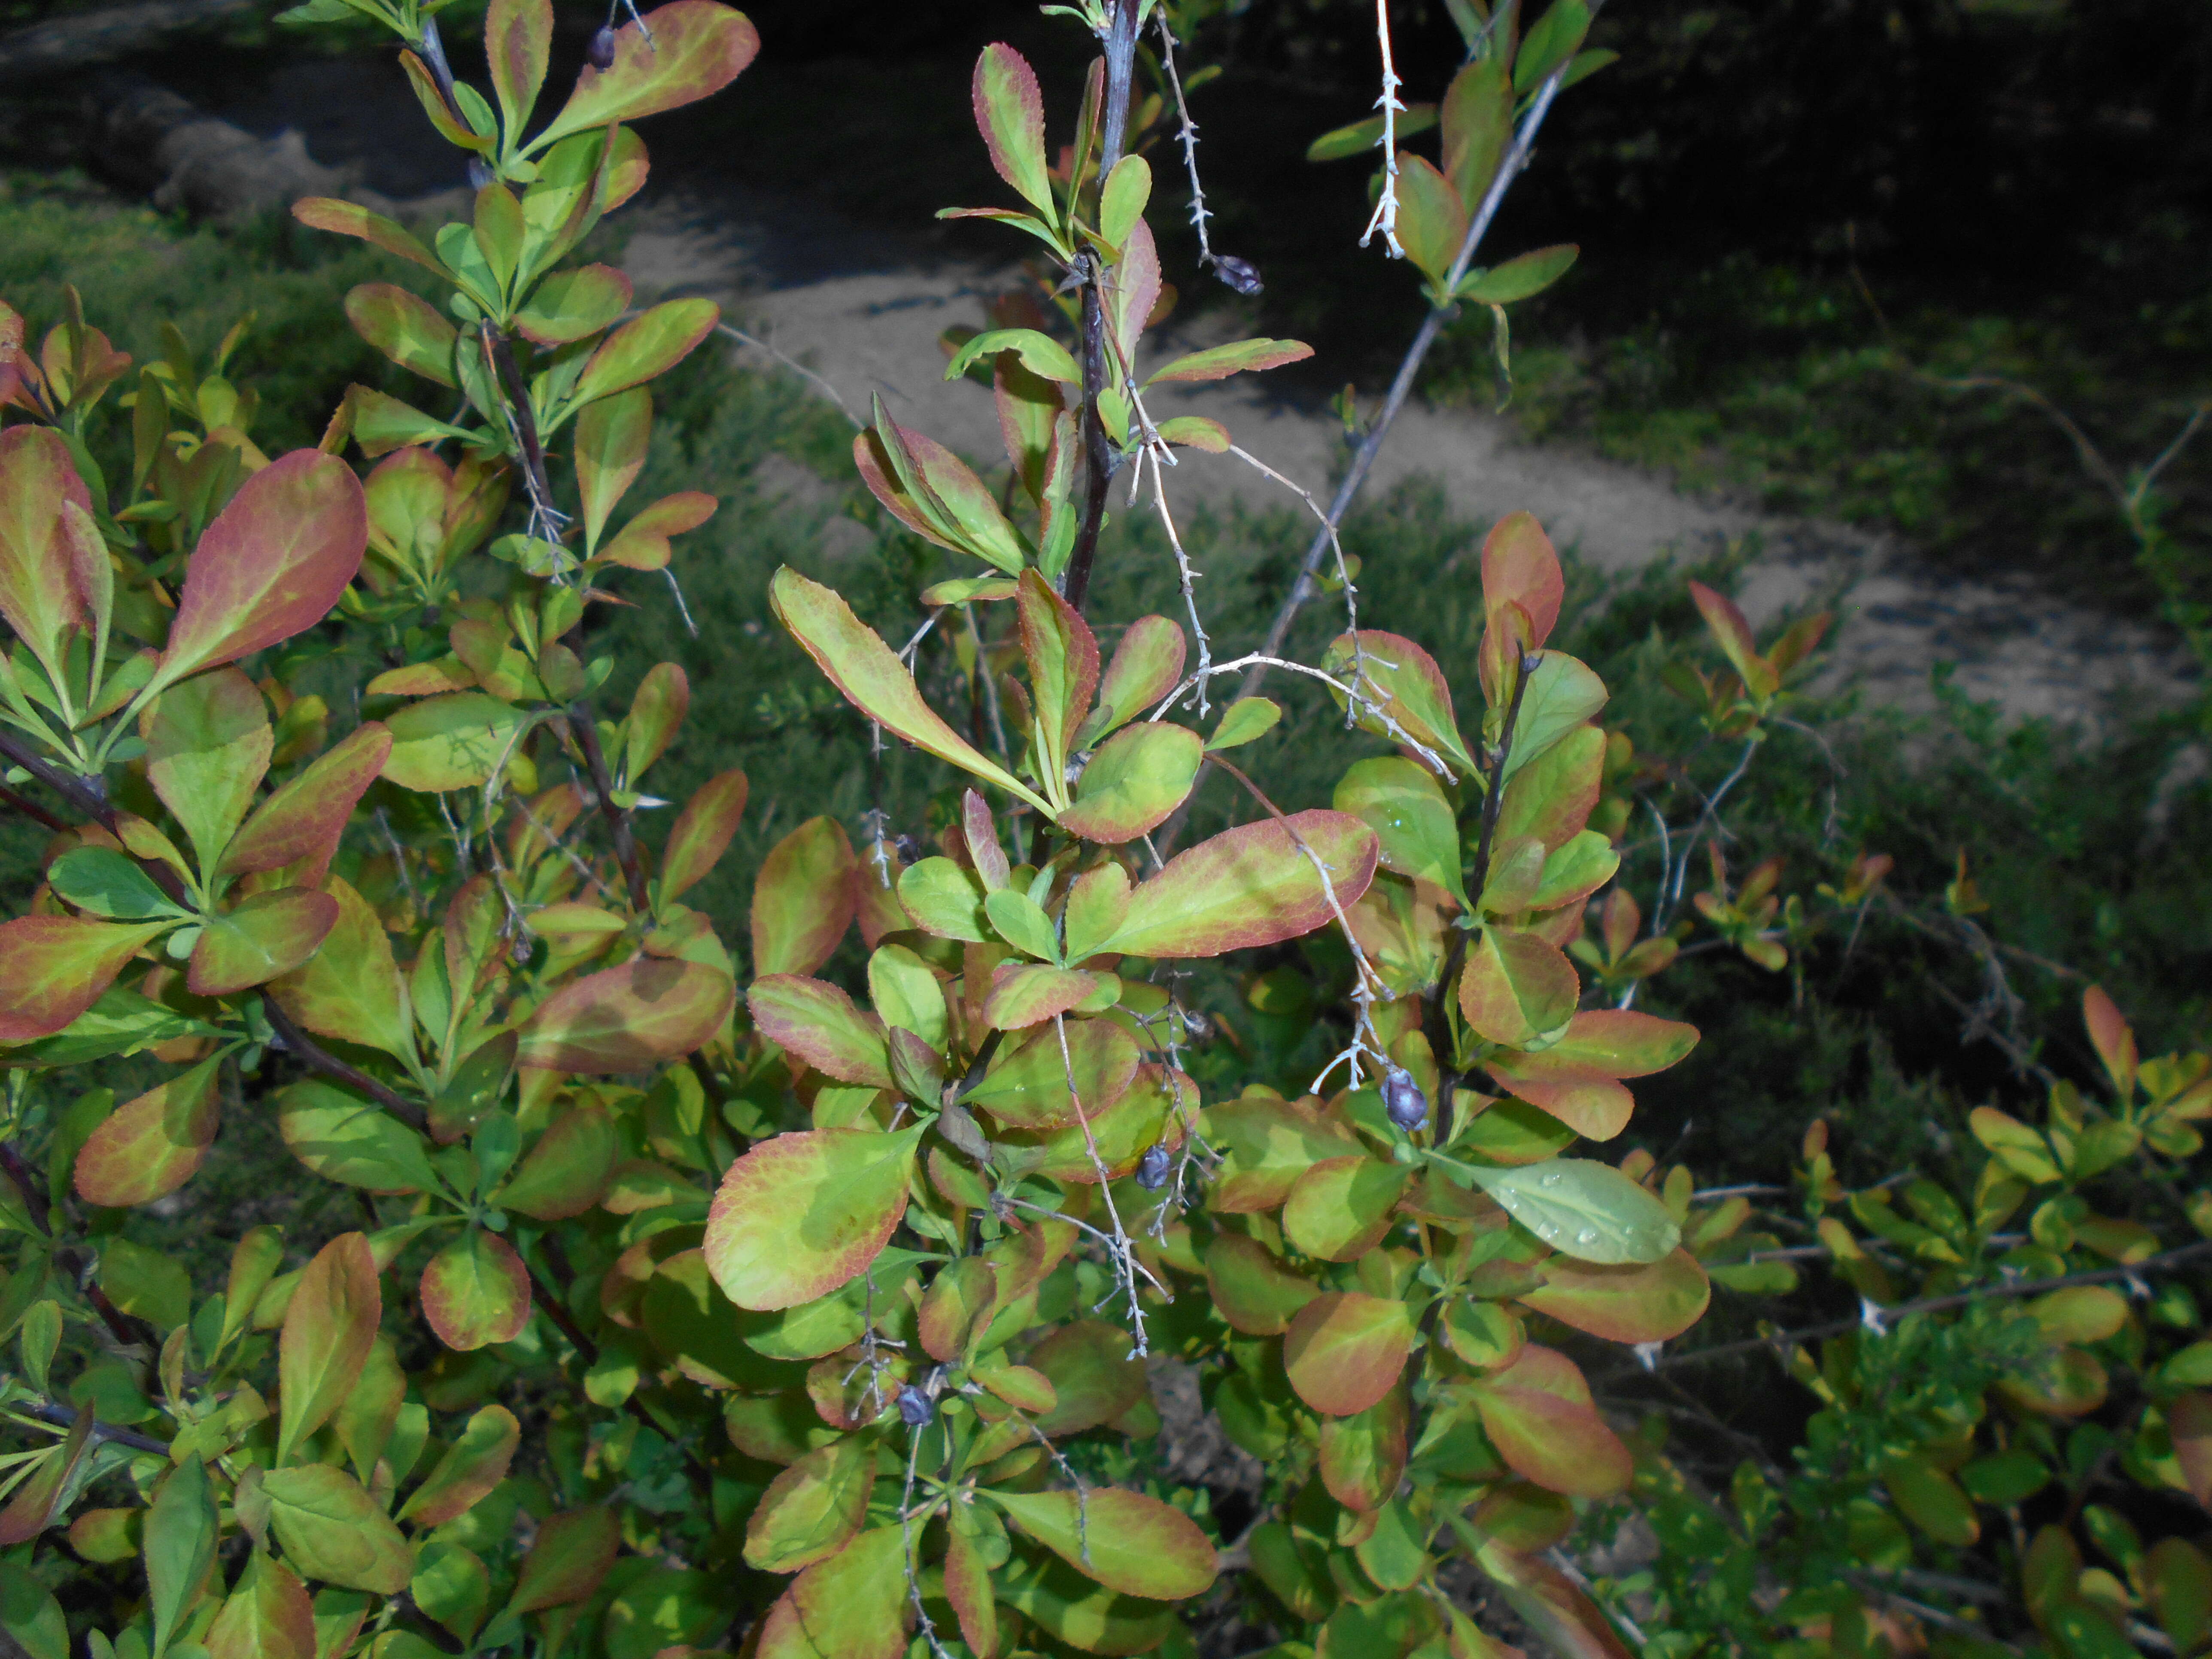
(828, 298)
(864, 311)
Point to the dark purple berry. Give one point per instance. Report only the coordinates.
(1152, 1168)
(1402, 1098)
(1240, 274)
(479, 173)
(915, 1408)
(601, 52)
(908, 848)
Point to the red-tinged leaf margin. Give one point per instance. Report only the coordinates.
(697, 48)
(1249, 886)
(350, 219)
(303, 818)
(475, 1464)
(1631, 1302)
(1345, 1349)
(800, 1215)
(1237, 357)
(1733, 634)
(272, 564)
(146, 1148)
(329, 1326)
(1123, 1540)
(54, 968)
(2114, 1041)
(1538, 1414)
(819, 1024)
(702, 832)
(518, 42)
(1520, 565)
(568, 1559)
(874, 681)
(268, 934)
(474, 1290)
(1010, 114)
(803, 898)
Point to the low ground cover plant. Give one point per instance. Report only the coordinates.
(799, 1294)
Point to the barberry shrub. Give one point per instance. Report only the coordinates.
(808, 1307)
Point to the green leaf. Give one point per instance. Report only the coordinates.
(1340, 1208)
(1344, 1350)
(1028, 1089)
(1930, 1499)
(405, 328)
(1519, 277)
(574, 305)
(1266, 1145)
(801, 1214)
(328, 1331)
(611, 436)
(628, 1018)
(347, 219)
(1124, 1541)
(1627, 1302)
(1562, 694)
(652, 344)
(702, 832)
(852, 1605)
(457, 741)
(906, 994)
(1010, 114)
(1135, 779)
(180, 1540)
(475, 1464)
(935, 494)
(1094, 1378)
(1478, 122)
(1431, 219)
(1243, 721)
(1027, 994)
(568, 1561)
(946, 900)
(382, 424)
(1403, 683)
(109, 884)
(29, 1613)
(873, 679)
(1413, 824)
(1236, 357)
(343, 1137)
(1016, 918)
(566, 1170)
(474, 1290)
(333, 1531)
(121, 1022)
(1361, 135)
(272, 564)
(1582, 1208)
(1551, 41)
(148, 1147)
(1518, 986)
(1121, 201)
(695, 49)
(813, 1508)
(1039, 353)
(208, 745)
(1062, 654)
(1251, 1289)
(1146, 665)
(1249, 886)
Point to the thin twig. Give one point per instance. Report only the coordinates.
(582, 722)
(796, 367)
(1386, 209)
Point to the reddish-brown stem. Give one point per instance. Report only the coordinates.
(31, 809)
(501, 352)
(583, 723)
(88, 799)
(311, 1055)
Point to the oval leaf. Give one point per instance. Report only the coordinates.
(801, 1214)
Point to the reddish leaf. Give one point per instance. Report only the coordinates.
(475, 1464)
(272, 564)
(568, 1560)
(1126, 1541)
(476, 1291)
(2189, 1420)
(1346, 1349)
(818, 1023)
(643, 543)
(1631, 1302)
(656, 710)
(1518, 566)
(802, 899)
(1237, 357)
(1146, 665)
(611, 436)
(1266, 1145)
(301, 821)
(31, 1510)
(1249, 886)
(268, 934)
(1537, 1412)
(43, 586)
(146, 1148)
(1432, 221)
(54, 968)
(1733, 634)
(1027, 994)
(650, 345)
(347, 219)
(1063, 660)
(517, 41)
(852, 1605)
(1517, 988)
(695, 49)
(1137, 777)
(1340, 1208)
(1404, 681)
(628, 1018)
(409, 330)
(1363, 1457)
(2115, 1043)
(702, 832)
